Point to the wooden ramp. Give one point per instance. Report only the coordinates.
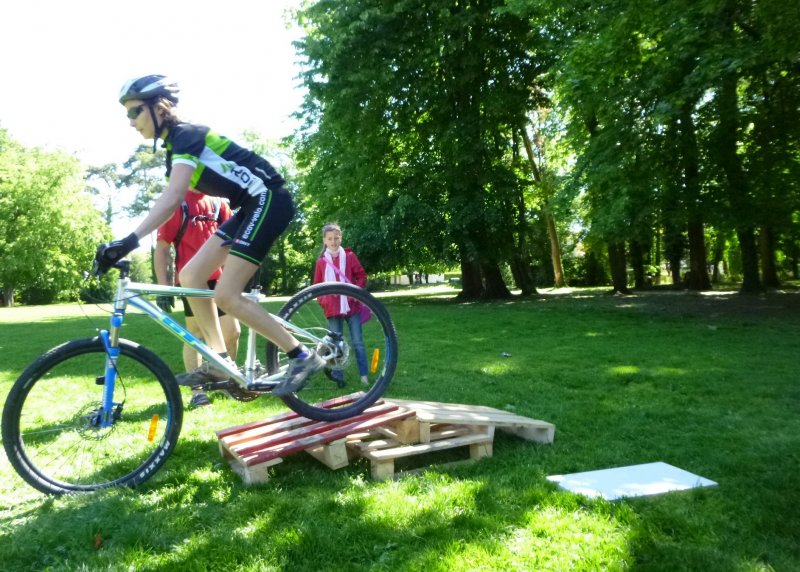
(391, 429)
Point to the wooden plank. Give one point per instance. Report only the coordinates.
(333, 454)
(287, 448)
(307, 432)
(408, 450)
(373, 445)
(480, 450)
(256, 474)
(456, 413)
(329, 404)
(541, 434)
(407, 431)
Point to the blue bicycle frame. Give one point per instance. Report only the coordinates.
(130, 293)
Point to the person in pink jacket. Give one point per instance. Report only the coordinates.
(337, 264)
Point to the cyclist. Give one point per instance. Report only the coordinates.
(199, 158)
(192, 223)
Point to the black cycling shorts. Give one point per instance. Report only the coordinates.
(257, 224)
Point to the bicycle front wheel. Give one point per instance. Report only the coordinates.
(358, 368)
(52, 429)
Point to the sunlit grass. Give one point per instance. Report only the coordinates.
(712, 390)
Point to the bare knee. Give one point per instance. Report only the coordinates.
(189, 279)
(225, 300)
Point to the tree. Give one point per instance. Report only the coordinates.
(412, 111)
(50, 228)
(144, 172)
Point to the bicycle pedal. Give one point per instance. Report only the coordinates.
(100, 380)
(262, 385)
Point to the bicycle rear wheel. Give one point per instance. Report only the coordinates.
(361, 372)
(51, 429)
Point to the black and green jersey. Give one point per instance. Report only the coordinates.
(221, 167)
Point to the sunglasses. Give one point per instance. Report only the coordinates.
(134, 112)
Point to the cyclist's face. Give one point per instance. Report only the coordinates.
(140, 118)
(332, 240)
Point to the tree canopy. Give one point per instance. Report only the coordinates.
(49, 228)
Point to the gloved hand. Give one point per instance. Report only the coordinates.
(166, 303)
(110, 253)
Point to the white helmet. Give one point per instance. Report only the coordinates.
(149, 87)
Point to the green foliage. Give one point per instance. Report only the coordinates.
(411, 110)
(49, 229)
(144, 172)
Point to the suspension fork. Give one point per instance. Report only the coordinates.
(110, 340)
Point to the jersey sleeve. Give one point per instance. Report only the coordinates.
(188, 142)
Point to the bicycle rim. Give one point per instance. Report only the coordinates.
(50, 429)
(343, 376)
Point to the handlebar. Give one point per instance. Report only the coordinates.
(124, 267)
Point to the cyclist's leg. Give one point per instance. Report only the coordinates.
(191, 359)
(195, 275)
(228, 295)
(231, 332)
(259, 222)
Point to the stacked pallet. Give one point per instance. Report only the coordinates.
(389, 430)
(439, 426)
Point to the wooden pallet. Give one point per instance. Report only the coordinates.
(432, 412)
(439, 426)
(252, 448)
(389, 430)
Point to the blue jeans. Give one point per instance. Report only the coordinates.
(356, 338)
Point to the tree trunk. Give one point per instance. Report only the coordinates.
(716, 258)
(637, 263)
(673, 250)
(521, 260)
(471, 282)
(555, 251)
(736, 182)
(749, 250)
(619, 273)
(552, 233)
(769, 272)
(8, 296)
(698, 272)
(523, 274)
(698, 275)
(494, 285)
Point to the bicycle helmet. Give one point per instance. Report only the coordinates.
(149, 87)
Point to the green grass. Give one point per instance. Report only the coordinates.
(706, 383)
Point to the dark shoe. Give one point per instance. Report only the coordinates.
(299, 370)
(199, 400)
(204, 374)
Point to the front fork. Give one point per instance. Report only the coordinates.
(110, 340)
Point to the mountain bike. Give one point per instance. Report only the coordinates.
(106, 411)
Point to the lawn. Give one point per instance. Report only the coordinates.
(706, 383)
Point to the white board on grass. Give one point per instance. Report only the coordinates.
(632, 481)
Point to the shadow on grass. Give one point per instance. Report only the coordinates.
(195, 515)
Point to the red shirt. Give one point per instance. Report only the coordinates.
(353, 271)
(198, 230)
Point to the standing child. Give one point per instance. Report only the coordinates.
(337, 264)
